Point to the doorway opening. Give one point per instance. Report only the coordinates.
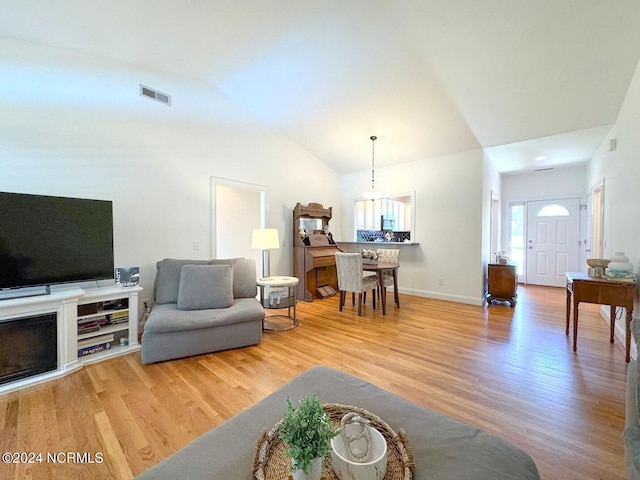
(597, 221)
(236, 209)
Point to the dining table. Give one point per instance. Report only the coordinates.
(380, 268)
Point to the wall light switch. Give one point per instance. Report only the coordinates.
(196, 245)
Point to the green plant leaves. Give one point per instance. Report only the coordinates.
(307, 431)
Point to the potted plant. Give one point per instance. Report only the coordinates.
(307, 431)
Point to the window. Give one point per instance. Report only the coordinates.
(516, 242)
(553, 211)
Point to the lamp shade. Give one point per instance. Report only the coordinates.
(265, 238)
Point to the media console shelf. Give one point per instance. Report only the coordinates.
(109, 306)
(115, 310)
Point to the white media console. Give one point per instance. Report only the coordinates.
(64, 302)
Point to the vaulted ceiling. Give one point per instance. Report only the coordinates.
(518, 78)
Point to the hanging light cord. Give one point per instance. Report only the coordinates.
(373, 157)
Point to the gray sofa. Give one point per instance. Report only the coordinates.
(631, 433)
(443, 448)
(202, 306)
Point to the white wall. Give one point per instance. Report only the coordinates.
(568, 182)
(491, 188)
(620, 170)
(449, 209)
(75, 125)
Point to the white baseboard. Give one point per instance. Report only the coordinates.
(619, 332)
(442, 296)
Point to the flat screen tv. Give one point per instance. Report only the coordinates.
(47, 240)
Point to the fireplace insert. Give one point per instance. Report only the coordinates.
(28, 346)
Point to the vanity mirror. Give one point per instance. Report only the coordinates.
(310, 225)
(389, 219)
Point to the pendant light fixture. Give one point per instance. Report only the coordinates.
(373, 195)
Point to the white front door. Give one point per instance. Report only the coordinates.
(553, 228)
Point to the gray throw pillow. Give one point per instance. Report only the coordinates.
(205, 286)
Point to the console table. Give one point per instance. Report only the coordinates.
(604, 292)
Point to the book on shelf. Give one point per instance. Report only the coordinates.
(93, 320)
(631, 278)
(127, 276)
(116, 321)
(93, 349)
(118, 304)
(119, 317)
(88, 329)
(98, 339)
(88, 321)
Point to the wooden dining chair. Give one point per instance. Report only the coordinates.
(389, 255)
(351, 279)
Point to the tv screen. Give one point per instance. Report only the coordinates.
(46, 240)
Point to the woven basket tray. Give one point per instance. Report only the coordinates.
(270, 463)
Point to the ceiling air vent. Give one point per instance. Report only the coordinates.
(155, 95)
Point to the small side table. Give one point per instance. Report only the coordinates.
(279, 293)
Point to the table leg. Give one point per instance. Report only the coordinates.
(575, 326)
(396, 295)
(627, 335)
(568, 309)
(612, 323)
(384, 292)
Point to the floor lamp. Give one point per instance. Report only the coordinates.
(265, 239)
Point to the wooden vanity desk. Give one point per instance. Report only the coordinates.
(583, 288)
(314, 254)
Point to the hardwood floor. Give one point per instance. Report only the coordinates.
(508, 371)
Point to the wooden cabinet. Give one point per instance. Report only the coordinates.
(314, 261)
(502, 283)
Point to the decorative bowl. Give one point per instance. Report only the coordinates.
(346, 469)
(598, 262)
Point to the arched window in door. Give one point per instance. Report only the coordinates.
(553, 210)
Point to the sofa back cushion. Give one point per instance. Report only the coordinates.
(168, 278)
(244, 278)
(167, 281)
(205, 286)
